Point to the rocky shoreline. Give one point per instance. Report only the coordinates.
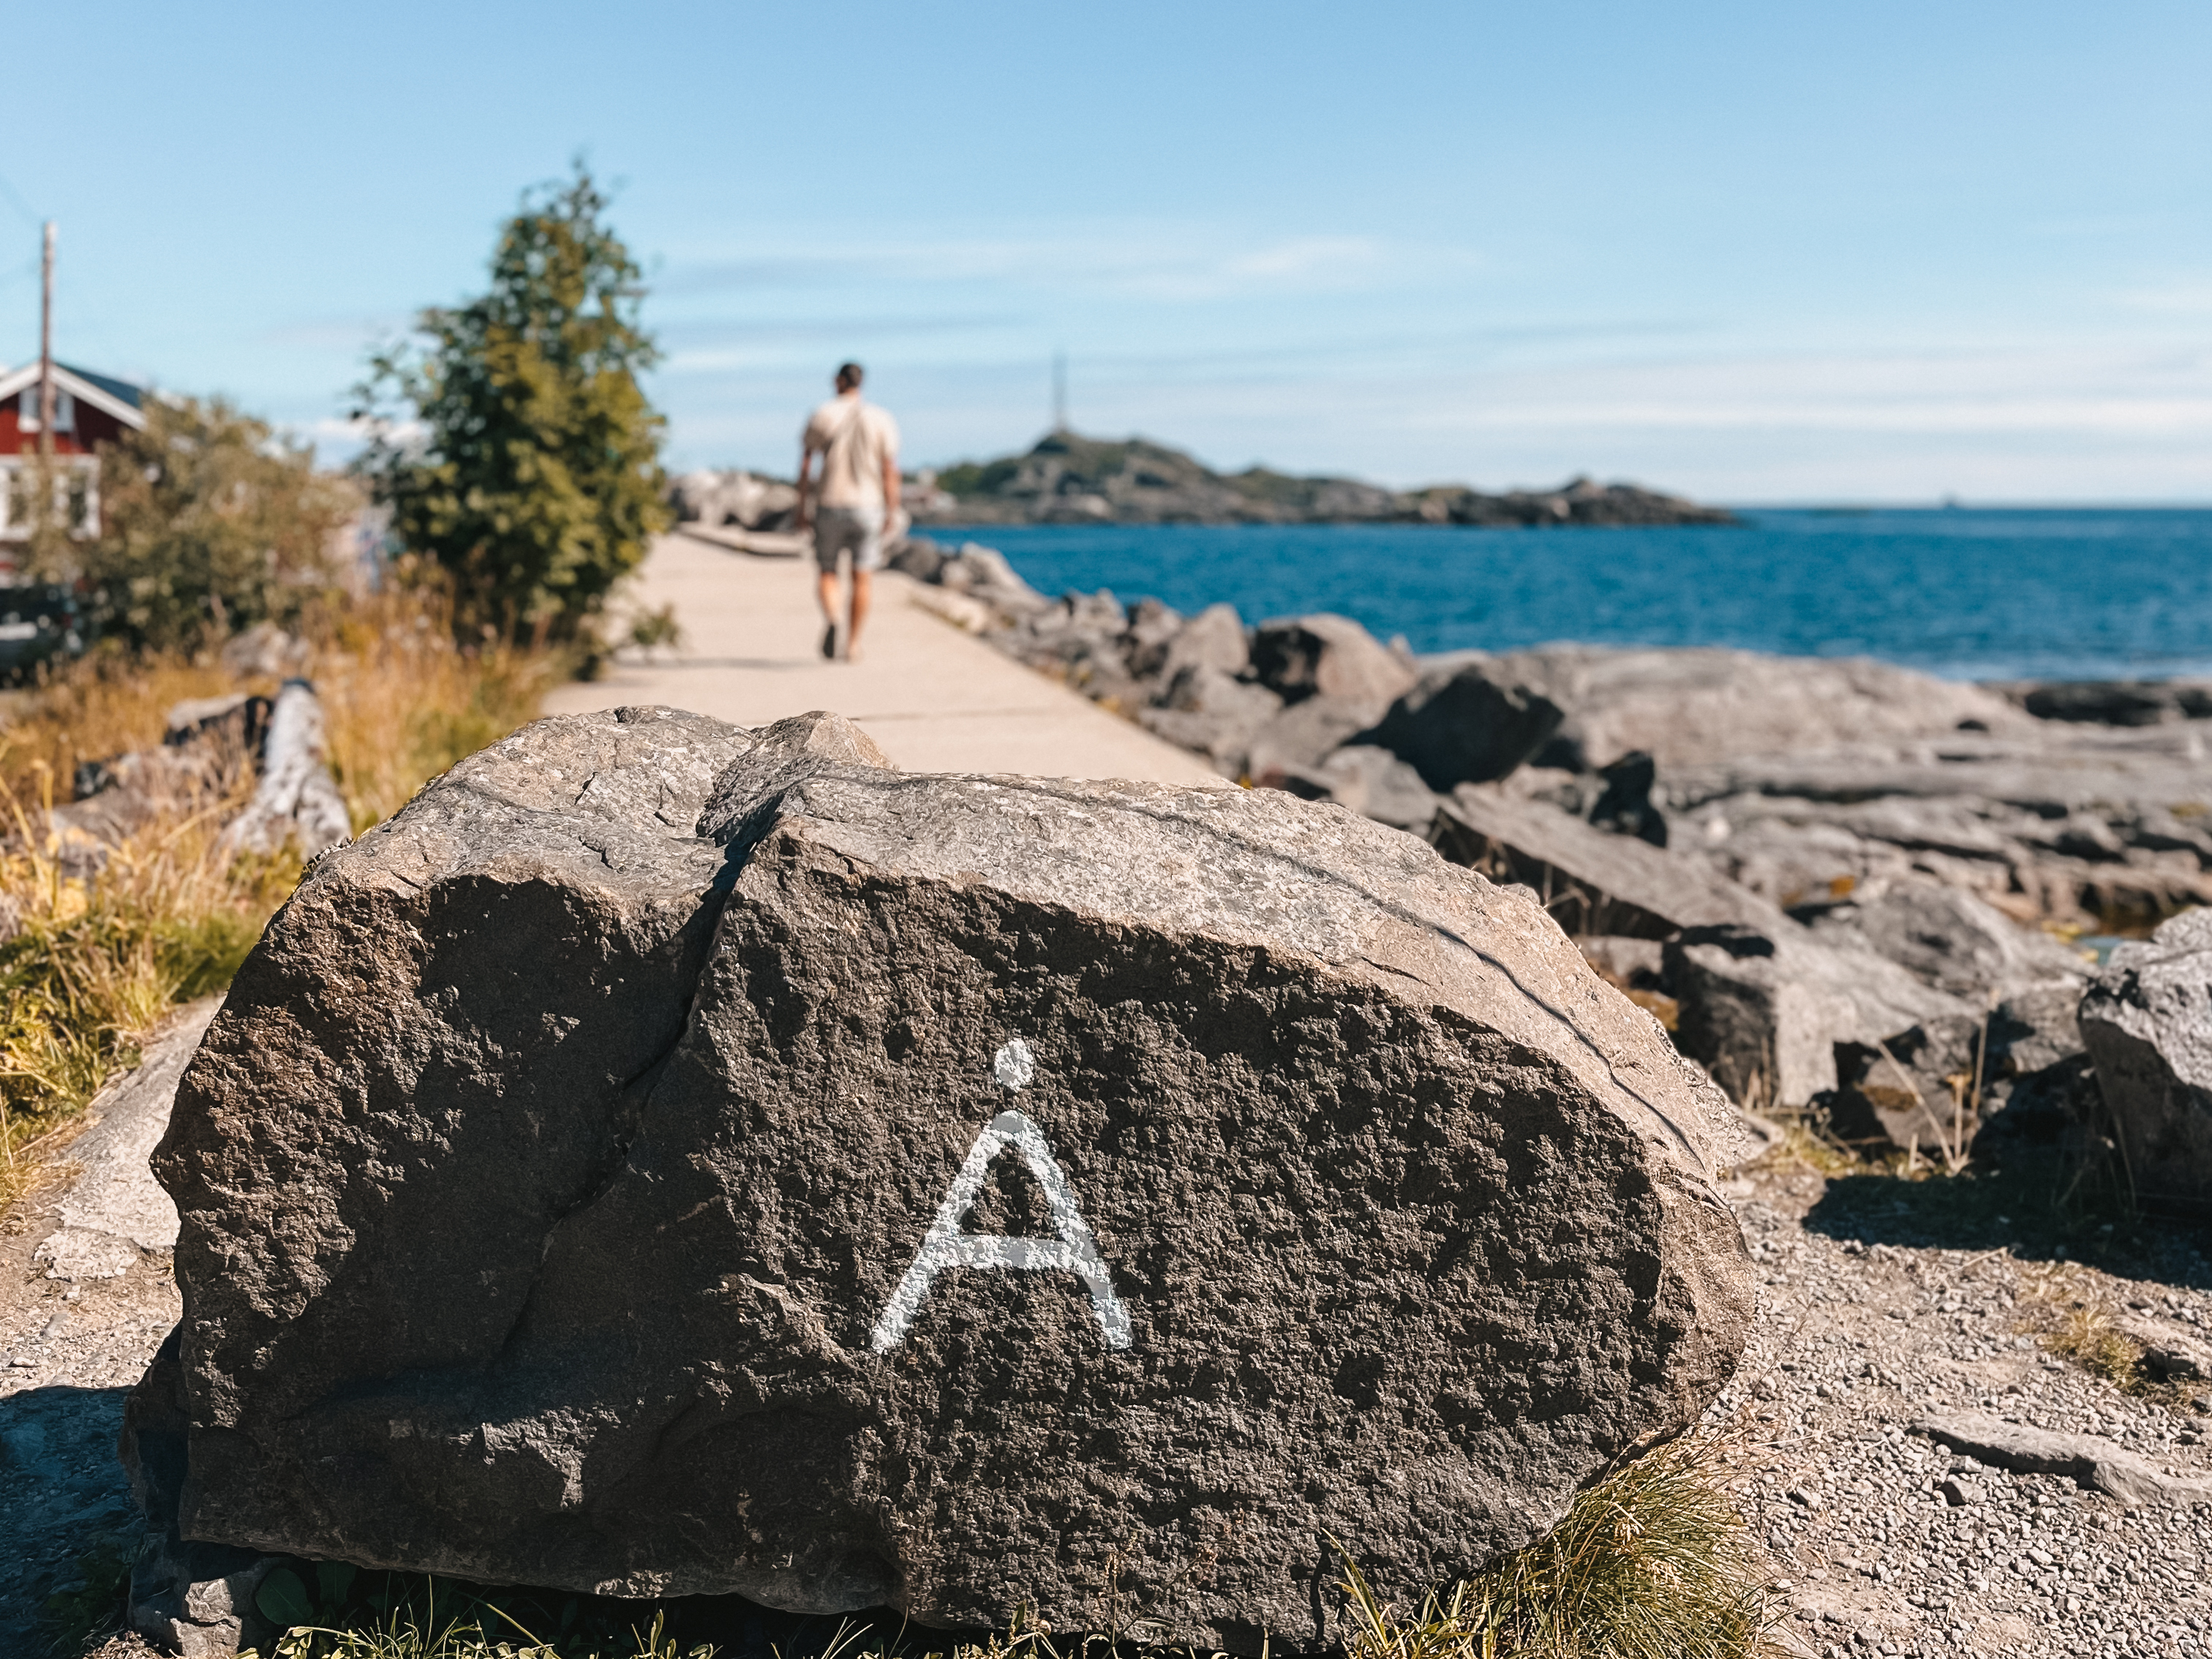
(1069, 478)
(1843, 886)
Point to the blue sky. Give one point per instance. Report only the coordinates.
(1755, 252)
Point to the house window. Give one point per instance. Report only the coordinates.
(27, 413)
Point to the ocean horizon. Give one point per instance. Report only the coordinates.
(1977, 593)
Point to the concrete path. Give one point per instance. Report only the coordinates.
(936, 699)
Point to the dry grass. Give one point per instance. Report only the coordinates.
(1651, 1563)
(90, 964)
(2071, 1312)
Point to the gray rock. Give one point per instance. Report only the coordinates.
(1082, 638)
(1372, 782)
(1955, 941)
(2113, 702)
(2146, 1023)
(1303, 733)
(1924, 1087)
(2034, 1028)
(983, 574)
(189, 1598)
(2064, 822)
(1624, 805)
(2170, 1351)
(1465, 726)
(1214, 637)
(1595, 883)
(611, 1162)
(1707, 706)
(1765, 1011)
(2095, 1464)
(1153, 627)
(1205, 709)
(296, 801)
(115, 1209)
(743, 499)
(1325, 655)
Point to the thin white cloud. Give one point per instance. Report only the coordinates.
(1175, 264)
(2191, 298)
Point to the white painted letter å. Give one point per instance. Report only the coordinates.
(946, 1246)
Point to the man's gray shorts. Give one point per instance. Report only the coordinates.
(855, 530)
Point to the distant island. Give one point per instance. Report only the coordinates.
(1067, 478)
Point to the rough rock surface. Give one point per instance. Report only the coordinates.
(1465, 726)
(2084, 1459)
(1325, 655)
(2147, 1022)
(612, 1162)
(1952, 940)
(1693, 708)
(1765, 1011)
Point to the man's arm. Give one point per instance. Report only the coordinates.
(806, 479)
(890, 484)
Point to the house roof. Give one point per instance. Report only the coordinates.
(118, 399)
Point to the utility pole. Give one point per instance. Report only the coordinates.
(46, 352)
(1059, 392)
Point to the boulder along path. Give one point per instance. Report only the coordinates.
(1880, 1425)
(1883, 1315)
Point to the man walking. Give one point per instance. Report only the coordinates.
(860, 491)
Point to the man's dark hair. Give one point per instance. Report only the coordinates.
(849, 375)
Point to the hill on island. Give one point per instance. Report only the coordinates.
(1067, 478)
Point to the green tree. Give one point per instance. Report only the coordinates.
(512, 441)
(210, 521)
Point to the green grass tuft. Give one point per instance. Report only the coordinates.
(1651, 1563)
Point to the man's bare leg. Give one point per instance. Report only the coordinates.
(863, 582)
(825, 590)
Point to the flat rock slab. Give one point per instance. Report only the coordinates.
(670, 1159)
(2093, 1463)
(116, 1210)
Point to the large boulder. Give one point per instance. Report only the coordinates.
(1328, 655)
(1464, 727)
(1690, 707)
(666, 1159)
(2146, 1023)
(1206, 709)
(1763, 1001)
(1952, 940)
(1215, 637)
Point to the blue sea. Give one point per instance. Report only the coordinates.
(1965, 593)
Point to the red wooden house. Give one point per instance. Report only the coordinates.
(89, 409)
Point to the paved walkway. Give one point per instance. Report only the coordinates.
(936, 699)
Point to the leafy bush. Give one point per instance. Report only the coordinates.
(210, 523)
(513, 442)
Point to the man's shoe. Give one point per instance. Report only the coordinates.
(830, 642)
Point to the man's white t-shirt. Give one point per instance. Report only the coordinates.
(852, 437)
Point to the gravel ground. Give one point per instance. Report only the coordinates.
(68, 1355)
(1884, 1301)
